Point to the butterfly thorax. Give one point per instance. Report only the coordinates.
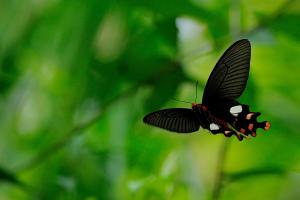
(199, 108)
(206, 116)
(202, 114)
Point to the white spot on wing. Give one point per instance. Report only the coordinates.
(214, 127)
(235, 110)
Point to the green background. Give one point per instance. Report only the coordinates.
(77, 77)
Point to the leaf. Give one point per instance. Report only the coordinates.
(287, 24)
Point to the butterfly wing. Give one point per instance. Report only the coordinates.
(180, 120)
(229, 77)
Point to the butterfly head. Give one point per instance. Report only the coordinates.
(194, 105)
(201, 107)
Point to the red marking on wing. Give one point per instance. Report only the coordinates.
(250, 127)
(267, 126)
(204, 108)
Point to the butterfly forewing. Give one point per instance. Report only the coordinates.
(229, 77)
(180, 120)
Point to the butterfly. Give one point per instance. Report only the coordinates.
(220, 111)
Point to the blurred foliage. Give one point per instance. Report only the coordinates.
(77, 77)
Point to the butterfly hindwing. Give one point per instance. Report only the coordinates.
(180, 120)
(229, 77)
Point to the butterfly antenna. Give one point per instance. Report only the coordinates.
(196, 91)
(181, 101)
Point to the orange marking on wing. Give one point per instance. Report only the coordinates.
(250, 127)
(242, 130)
(267, 126)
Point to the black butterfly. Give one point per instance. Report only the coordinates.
(219, 112)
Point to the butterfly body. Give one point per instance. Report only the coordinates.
(220, 112)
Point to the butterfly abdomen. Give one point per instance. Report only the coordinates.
(232, 118)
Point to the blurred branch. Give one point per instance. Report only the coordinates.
(255, 172)
(10, 177)
(218, 184)
(7, 176)
(58, 145)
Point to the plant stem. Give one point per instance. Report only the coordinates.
(218, 184)
(66, 138)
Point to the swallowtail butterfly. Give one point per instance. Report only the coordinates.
(220, 112)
